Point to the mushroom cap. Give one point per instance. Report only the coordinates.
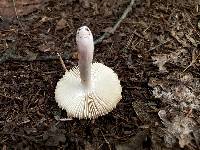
(103, 96)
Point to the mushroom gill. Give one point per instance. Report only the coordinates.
(88, 90)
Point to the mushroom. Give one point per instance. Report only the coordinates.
(88, 90)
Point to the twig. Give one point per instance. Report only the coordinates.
(14, 4)
(22, 136)
(107, 34)
(106, 140)
(8, 55)
(189, 20)
(62, 62)
(175, 36)
(9, 97)
(194, 59)
(155, 47)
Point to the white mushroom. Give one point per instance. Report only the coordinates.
(88, 90)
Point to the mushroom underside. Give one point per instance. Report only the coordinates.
(103, 96)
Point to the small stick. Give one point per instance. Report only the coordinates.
(159, 45)
(50, 57)
(62, 62)
(14, 4)
(106, 140)
(107, 34)
(194, 59)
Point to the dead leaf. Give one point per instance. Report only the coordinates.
(4, 147)
(198, 25)
(54, 140)
(61, 24)
(30, 130)
(192, 40)
(31, 55)
(108, 30)
(46, 47)
(54, 136)
(89, 146)
(85, 3)
(7, 8)
(23, 121)
(75, 55)
(178, 37)
(135, 142)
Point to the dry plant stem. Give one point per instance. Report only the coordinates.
(188, 18)
(106, 140)
(107, 34)
(9, 97)
(193, 61)
(62, 62)
(20, 135)
(7, 56)
(14, 4)
(157, 46)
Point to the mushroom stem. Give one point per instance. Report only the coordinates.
(85, 44)
(85, 71)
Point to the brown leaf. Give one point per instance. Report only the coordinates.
(48, 46)
(24, 7)
(108, 30)
(75, 55)
(61, 24)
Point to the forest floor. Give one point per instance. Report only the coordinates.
(154, 50)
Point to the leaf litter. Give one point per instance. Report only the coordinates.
(155, 52)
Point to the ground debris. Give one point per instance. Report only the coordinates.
(178, 90)
(22, 7)
(175, 57)
(54, 136)
(135, 142)
(154, 50)
(180, 127)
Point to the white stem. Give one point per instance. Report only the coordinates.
(85, 44)
(85, 71)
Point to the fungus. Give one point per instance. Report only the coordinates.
(88, 90)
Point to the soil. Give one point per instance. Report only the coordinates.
(156, 45)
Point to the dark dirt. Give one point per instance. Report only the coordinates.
(152, 32)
